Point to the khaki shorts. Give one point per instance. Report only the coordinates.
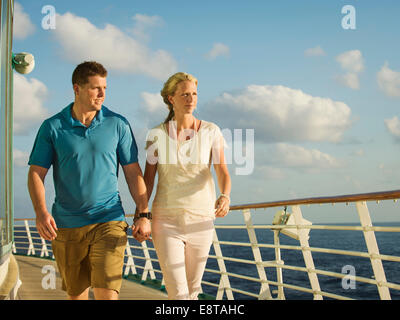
(91, 256)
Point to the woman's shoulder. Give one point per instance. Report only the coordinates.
(208, 125)
(157, 128)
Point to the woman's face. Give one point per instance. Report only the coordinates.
(185, 98)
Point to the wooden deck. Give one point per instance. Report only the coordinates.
(30, 273)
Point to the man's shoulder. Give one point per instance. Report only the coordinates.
(112, 115)
(54, 121)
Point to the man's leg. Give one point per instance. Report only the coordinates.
(83, 296)
(71, 254)
(105, 294)
(106, 255)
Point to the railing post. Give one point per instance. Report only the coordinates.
(373, 250)
(130, 264)
(264, 290)
(224, 284)
(31, 248)
(279, 276)
(44, 251)
(148, 267)
(162, 283)
(305, 248)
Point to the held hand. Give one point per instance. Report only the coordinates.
(222, 207)
(46, 226)
(141, 229)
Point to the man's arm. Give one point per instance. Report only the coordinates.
(134, 178)
(45, 223)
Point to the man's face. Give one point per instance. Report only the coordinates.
(92, 94)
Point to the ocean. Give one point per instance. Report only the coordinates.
(388, 242)
(345, 240)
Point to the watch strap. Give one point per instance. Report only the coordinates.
(147, 215)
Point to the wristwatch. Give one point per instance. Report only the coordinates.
(142, 215)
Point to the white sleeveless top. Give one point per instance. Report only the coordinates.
(185, 183)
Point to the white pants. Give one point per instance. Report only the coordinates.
(182, 244)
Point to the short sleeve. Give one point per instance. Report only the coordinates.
(218, 139)
(152, 146)
(127, 150)
(42, 153)
(218, 145)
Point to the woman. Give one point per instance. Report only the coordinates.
(181, 150)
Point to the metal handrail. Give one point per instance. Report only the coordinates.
(372, 196)
(224, 287)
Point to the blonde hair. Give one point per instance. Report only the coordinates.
(170, 88)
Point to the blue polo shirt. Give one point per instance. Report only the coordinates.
(85, 165)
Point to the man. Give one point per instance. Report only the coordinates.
(85, 143)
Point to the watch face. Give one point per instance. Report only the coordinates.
(145, 215)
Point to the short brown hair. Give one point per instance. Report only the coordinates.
(87, 69)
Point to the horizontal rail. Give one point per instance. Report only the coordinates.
(373, 196)
(259, 283)
(316, 227)
(314, 249)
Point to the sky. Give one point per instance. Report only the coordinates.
(310, 88)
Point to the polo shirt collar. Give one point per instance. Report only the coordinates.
(66, 112)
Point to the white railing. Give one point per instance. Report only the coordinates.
(228, 276)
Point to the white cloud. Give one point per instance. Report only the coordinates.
(29, 95)
(294, 156)
(81, 40)
(280, 114)
(354, 182)
(314, 52)
(218, 50)
(349, 80)
(23, 26)
(153, 102)
(353, 62)
(393, 126)
(143, 23)
(358, 153)
(20, 158)
(389, 81)
(269, 172)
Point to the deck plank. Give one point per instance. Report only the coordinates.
(30, 273)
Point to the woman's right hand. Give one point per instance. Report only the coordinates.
(222, 206)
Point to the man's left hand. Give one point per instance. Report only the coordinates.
(141, 229)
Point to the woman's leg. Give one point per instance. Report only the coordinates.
(200, 235)
(170, 248)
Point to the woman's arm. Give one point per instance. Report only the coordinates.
(224, 183)
(149, 177)
(133, 176)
